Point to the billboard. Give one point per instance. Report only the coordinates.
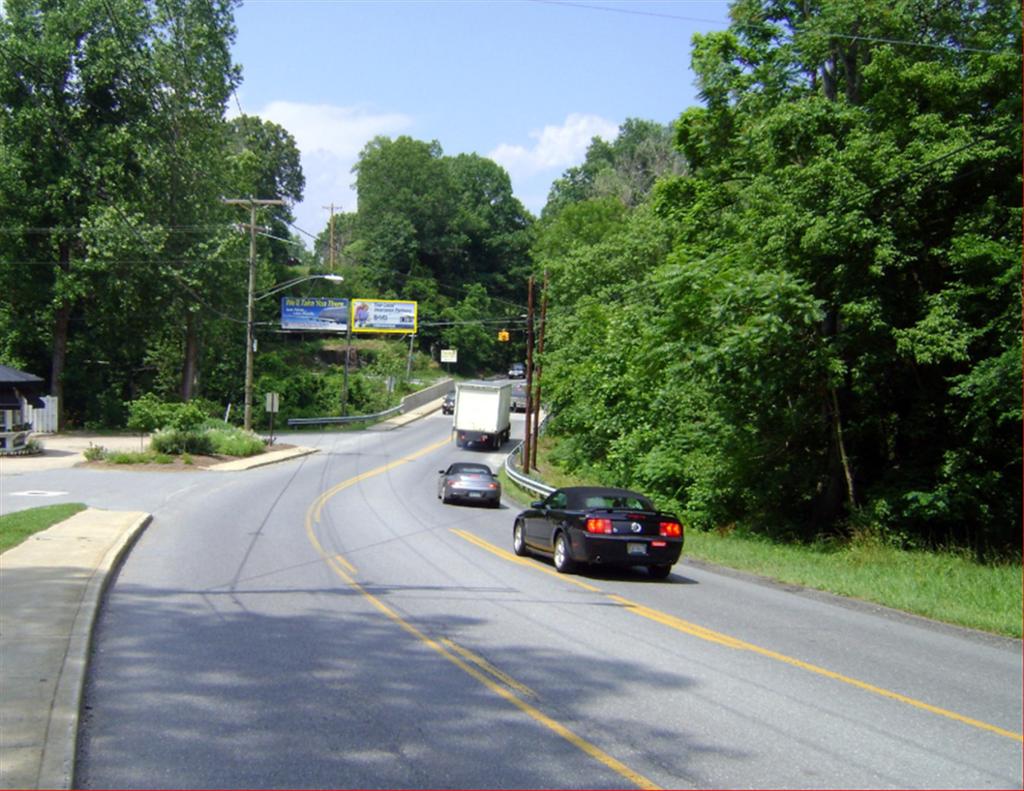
(315, 314)
(383, 315)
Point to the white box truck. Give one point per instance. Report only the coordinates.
(482, 413)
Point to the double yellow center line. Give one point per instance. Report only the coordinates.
(473, 665)
(679, 625)
(515, 693)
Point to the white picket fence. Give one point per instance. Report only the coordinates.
(44, 421)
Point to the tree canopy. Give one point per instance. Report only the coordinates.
(445, 231)
(813, 327)
(114, 158)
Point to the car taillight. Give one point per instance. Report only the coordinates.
(599, 525)
(671, 529)
(492, 486)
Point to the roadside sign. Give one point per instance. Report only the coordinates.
(380, 315)
(319, 314)
(273, 404)
(449, 355)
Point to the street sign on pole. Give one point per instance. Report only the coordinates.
(272, 407)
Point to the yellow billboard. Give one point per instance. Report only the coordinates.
(383, 315)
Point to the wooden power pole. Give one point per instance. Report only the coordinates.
(540, 366)
(250, 339)
(330, 226)
(527, 443)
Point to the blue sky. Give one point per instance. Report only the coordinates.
(527, 83)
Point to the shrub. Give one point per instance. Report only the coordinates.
(231, 441)
(149, 413)
(95, 453)
(128, 457)
(175, 442)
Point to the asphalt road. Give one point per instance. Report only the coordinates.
(329, 623)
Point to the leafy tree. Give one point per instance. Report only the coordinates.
(832, 342)
(470, 330)
(110, 151)
(265, 163)
(624, 169)
(429, 227)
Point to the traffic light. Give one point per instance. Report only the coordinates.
(503, 335)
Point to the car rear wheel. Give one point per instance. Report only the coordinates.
(659, 572)
(563, 562)
(519, 541)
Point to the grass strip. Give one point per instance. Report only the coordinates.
(945, 586)
(16, 527)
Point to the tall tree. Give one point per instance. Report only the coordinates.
(429, 226)
(625, 168)
(110, 152)
(833, 341)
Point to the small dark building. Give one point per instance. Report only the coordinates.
(17, 390)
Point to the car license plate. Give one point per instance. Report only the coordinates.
(475, 494)
(636, 549)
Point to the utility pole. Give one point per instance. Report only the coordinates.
(331, 227)
(348, 353)
(540, 354)
(527, 444)
(250, 339)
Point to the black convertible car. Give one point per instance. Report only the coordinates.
(587, 524)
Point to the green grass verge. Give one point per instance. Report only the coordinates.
(946, 586)
(16, 527)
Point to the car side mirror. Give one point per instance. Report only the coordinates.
(538, 504)
(442, 472)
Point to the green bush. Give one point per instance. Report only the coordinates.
(149, 413)
(127, 457)
(175, 441)
(95, 453)
(231, 441)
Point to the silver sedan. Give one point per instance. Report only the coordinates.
(469, 482)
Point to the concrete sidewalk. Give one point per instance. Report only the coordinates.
(51, 586)
(67, 450)
(50, 590)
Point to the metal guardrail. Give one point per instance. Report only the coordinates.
(316, 421)
(411, 401)
(514, 475)
(521, 480)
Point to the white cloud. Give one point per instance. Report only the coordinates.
(329, 139)
(341, 131)
(555, 147)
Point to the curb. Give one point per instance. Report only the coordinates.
(262, 460)
(58, 756)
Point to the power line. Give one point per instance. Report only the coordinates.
(879, 40)
(682, 18)
(303, 230)
(629, 11)
(53, 229)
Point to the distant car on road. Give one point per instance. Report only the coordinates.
(581, 525)
(448, 404)
(518, 399)
(469, 482)
(517, 371)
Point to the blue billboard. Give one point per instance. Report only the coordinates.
(314, 314)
